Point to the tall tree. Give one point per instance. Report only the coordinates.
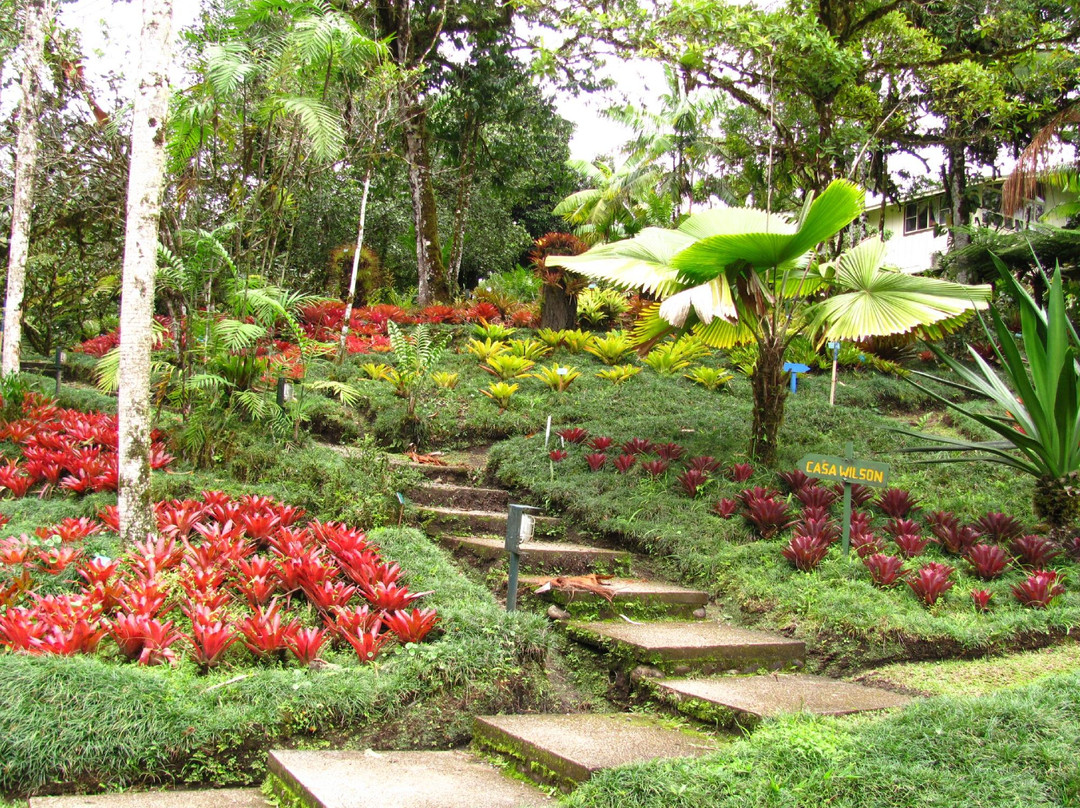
(37, 14)
(145, 182)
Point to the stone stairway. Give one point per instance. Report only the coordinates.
(720, 675)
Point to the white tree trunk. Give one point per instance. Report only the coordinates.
(38, 13)
(145, 182)
(355, 262)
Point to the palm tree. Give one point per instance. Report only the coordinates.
(741, 275)
(618, 202)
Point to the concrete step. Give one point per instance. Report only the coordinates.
(449, 474)
(681, 647)
(564, 750)
(655, 595)
(437, 519)
(400, 779)
(209, 798)
(461, 496)
(541, 555)
(745, 700)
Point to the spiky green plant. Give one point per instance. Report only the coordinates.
(618, 373)
(507, 366)
(486, 349)
(669, 357)
(531, 349)
(500, 393)
(376, 371)
(445, 380)
(577, 340)
(492, 331)
(556, 377)
(710, 378)
(611, 348)
(550, 337)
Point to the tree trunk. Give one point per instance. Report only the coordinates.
(461, 205)
(559, 309)
(355, 263)
(38, 14)
(145, 182)
(1057, 501)
(433, 286)
(955, 170)
(770, 394)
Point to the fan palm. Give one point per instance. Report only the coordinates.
(739, 275)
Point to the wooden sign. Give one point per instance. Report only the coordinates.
(826, 467)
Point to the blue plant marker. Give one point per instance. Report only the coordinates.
(795, 368)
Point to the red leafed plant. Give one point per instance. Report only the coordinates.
(209, 640)
(860, 521)
(691, 481)
(557, 455)
(805, 552)
(144, 639)
(600, 443)
(998, 527)
(110, 517)
(910, 544)
(757, 492)
(740, 472)
(865, 543)
(818, 526)
(956, 538)
(885, 570)
(796, 480)
(987, 561)
(596, 461)
(930, 582)
(894, 527)
(860, 494)
(981, 599)
(1039, 590)
(638, 446)
(654, 468)
(705, 463)
(367, 645)
(411, 626)
(624, 462)
(897, 503)
(668, 451)
(392, 597)
(354, 620)
(574, 434)
(814, 496)
(55, 560)
(70, 529)
(725, 508)
(305, 643)
(265, 632)
(1034, 551)
(767, 515)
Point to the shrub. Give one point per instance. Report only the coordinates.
(930, 582)
(885, 570)
(611, 348)
(1034, 551)
(805, 552)
(1039, 590)
(618, 374)
(988, 561)
(896, 502)
(501, 393)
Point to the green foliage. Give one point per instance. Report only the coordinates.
(445, 380)
(1037, 399)
(500, 393)
(576, 341)
(669, 357)
(531, 349)
(487, 349)
(600, 307)
(13, 389)
(550, 337)
(619, 373)
(508, 366)
(611, 348)
(519, 284)
(556, 377)
(1013, 748)
(709, 378)
(492, 331)
(376, 371)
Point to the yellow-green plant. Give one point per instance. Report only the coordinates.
(709, 378)
(486, 349)
(619, 373)
(500, 393)
(556, 377)
(601, 307)
(376, 371)
(577, 340)
(493, 331)
(612, 348)
(550, 337)
(445, 379)
(531, 349)
(669, 357)
(508, 366)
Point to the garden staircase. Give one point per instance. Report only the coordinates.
(718, 674)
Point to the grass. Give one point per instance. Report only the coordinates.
(1013, 748)
(85, 722)
(976, 677)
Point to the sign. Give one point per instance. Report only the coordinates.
(795, 368)
(826, 467)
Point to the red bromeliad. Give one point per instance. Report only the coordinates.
(411, 626)
(1039, 590)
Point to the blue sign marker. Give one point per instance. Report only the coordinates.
(795, 368)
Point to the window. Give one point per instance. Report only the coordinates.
(919, 216)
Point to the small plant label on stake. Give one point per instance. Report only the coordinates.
(846, 470)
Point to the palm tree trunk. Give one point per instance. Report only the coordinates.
(770, 395)
(38, 13)
(145, 182)
(355, 263)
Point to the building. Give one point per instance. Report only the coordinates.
(916, 230)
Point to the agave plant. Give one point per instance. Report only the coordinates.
(501, 393)
(711, 379)
(612, 348)
(487, 349)
(1036, 393)
(530, 349)
(740, 275)
(998, 527)
(617, 374)
(557, 378)
(1034, 551)
(507, 366)
(930, 582)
